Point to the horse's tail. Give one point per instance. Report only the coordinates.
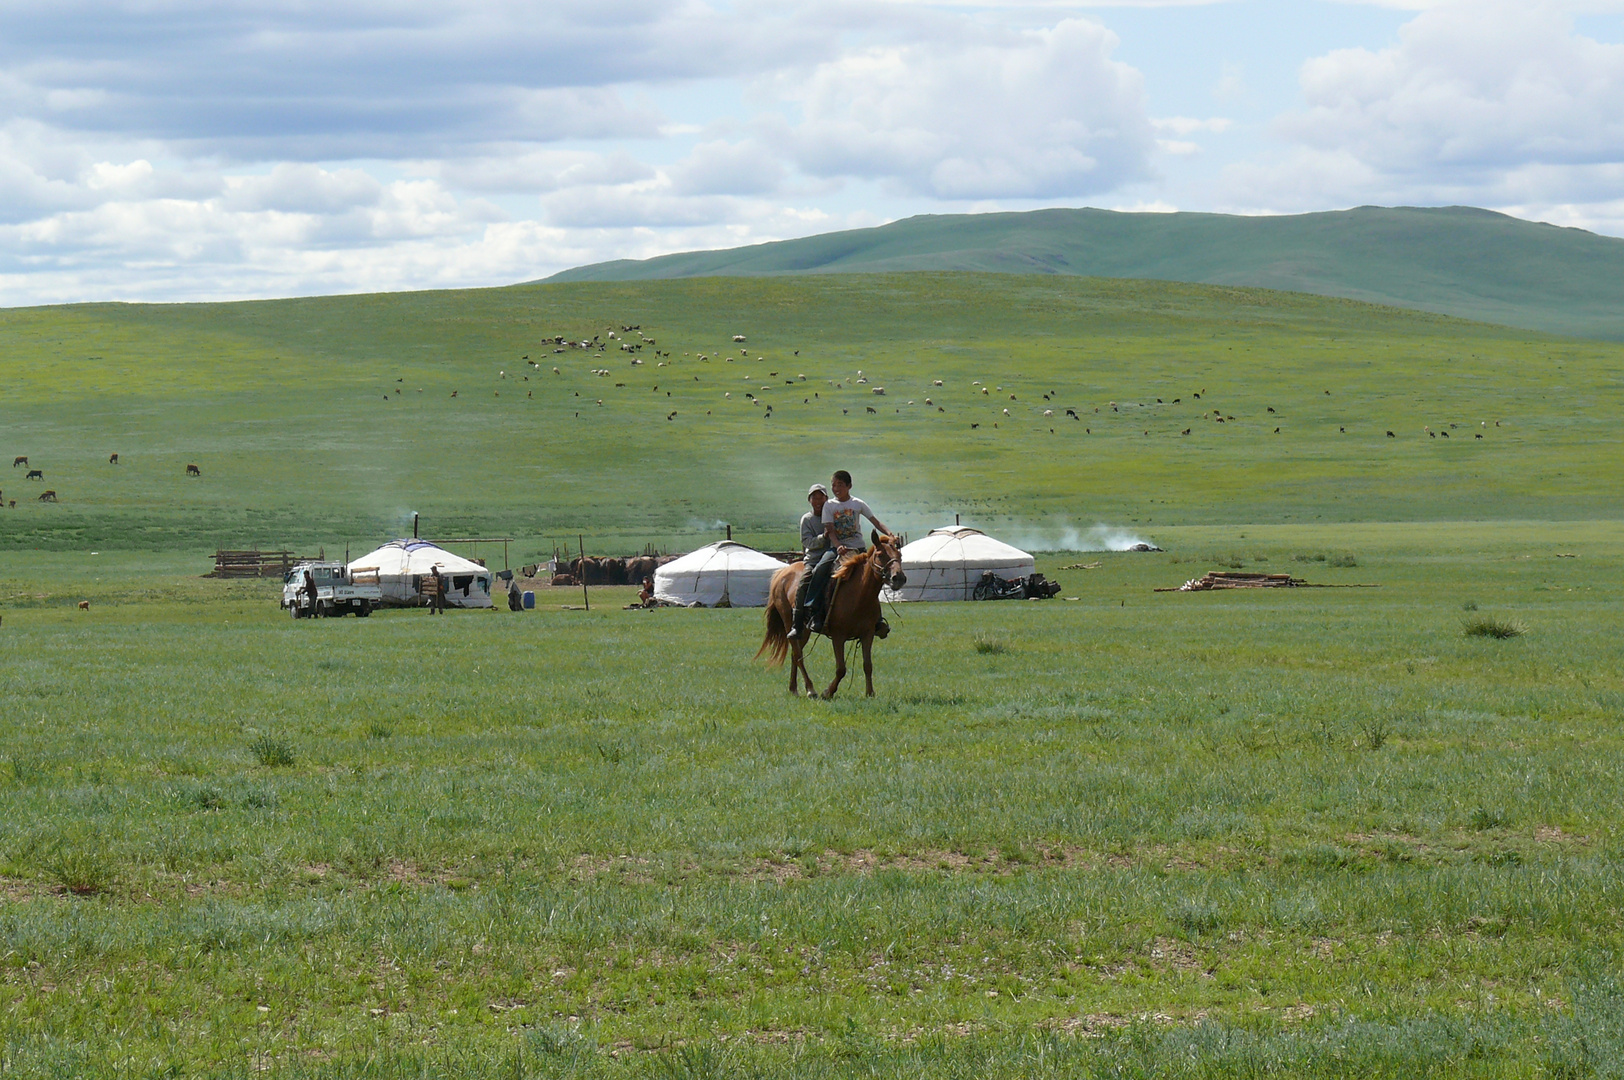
(776, 639)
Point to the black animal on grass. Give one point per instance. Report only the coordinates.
(34, 474)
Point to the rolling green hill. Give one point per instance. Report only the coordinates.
(1474, 264)
(332, 419)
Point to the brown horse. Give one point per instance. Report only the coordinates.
(854, 610)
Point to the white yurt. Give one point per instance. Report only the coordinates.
(947, 563)
(401, 566)
(721, 571)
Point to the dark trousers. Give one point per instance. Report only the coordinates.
(815, 581)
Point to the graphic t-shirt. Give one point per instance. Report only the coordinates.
(847, 517)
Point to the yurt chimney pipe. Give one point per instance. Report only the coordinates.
(955, 519)
(730, 532)
(414, 526)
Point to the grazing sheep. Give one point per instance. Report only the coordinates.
(872, 409)
(1390, 435)
(1048, 412)
(936, 382)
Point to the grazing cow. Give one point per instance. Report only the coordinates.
(1390, 435)
(84, 605)
(113, 460)
(22, 460)
(34, 474)
(193, 470)
(48, 495)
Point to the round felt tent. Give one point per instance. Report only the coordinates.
(401, 566)
(716, 572)
(947, 564)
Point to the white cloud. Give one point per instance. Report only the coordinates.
(1470, 89)
(994, 114)
(724, 168)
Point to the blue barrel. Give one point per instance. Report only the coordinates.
(528, 602)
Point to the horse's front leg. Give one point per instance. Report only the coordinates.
(795, 667)
(840, 666)
(868, 662)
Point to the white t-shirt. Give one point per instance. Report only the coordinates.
(846, 515)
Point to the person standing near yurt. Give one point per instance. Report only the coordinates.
(843, 526)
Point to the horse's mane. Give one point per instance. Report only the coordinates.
(854, 564)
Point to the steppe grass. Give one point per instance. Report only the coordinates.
(1290, 832)
(328, 421)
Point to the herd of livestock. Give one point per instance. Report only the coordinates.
(609, 571)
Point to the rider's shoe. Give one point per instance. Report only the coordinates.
(882, 629)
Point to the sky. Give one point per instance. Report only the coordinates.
(173, 150)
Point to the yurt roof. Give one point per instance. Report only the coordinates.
(959, 545)
(415, 557)
(724, 555)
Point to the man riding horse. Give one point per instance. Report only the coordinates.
(841, 535)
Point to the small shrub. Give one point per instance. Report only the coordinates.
(1483, 819)
(272, 753)
(1375, 733)
(555, 1040)
(1195, 917)
(989, 646)
(208, 798)
(377, 729)
(1490, 627)
(1345, 559)
(1470, 605)
(81, 871)
(1318, 556)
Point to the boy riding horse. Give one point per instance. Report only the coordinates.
(841, 518)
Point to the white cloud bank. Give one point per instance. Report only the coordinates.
(187, 151)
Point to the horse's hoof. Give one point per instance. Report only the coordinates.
(811, 695)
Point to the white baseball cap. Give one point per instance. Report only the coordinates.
(814, 489)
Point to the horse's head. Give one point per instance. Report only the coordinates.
(888, 551)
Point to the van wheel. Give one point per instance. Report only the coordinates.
(293, 609)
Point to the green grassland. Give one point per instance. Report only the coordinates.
(1454, 260)
(1317, 832)
(282, 405)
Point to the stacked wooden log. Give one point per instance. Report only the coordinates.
(1234, 579)
(239, 564)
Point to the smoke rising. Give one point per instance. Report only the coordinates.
(1071, 538)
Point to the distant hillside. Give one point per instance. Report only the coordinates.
(1461, 261)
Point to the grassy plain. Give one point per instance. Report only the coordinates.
(1318, 833)
(281, 404)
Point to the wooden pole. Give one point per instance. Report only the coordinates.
(581, 540)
